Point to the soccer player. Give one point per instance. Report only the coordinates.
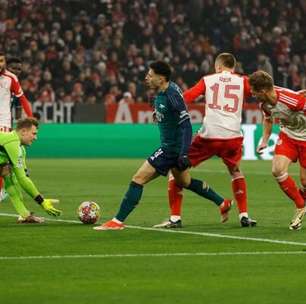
(14, 65)
(219, 135)
(9, 88)
(13, 170)
(289, 108)
(175, 136)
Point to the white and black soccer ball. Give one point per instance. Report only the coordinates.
(89, 212)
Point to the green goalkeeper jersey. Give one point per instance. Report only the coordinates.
(13, 153)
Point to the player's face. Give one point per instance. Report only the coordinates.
(260, 95)
(28, 135)
(2, 63)
(152, 80)
(15, 68)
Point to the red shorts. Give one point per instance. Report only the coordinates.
(230, 150)
(291, 148)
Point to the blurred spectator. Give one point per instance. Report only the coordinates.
(126, 98)
(263, 63)
(92, 51)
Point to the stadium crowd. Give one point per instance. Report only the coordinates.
(99, 50)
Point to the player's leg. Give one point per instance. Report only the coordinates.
(15, 195)
(175, 199)
(288, 150)
(302, 160)
(231, 153)
(296, 222)
(280, 165)
(204, 190)
(132, 197)
(303, 182)
(155, 165)
(13, 192)
(175, 196)
(17, 200)
(239, 188)
(3, 193)
(199, 151)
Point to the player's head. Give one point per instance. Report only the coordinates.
(261, 84)
(14, 65)
(2, 61)
(159, 73)
(27, 130)
(225, 61)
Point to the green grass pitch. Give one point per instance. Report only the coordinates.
(207, 262)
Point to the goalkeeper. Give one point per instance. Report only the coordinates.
(13, 170)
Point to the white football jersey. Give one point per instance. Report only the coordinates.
(9, 85)
(224, 94)
(290, 110)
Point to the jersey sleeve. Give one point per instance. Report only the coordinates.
(246, 88)
(197, 90)
(26, 105)
(177, 103)
(16, 87)
(17, 159)
(301, 106)
(265, 112)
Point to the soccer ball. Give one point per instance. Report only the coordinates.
(89, 212)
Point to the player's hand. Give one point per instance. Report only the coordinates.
(47, 204)
(261, 147)
(154, 117)
(183, 162)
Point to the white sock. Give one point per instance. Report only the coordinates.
(243, 214)
(175, 218)
(116, 221)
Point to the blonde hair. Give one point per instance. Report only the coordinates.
(26, 123)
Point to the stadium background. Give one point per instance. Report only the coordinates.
(85, 61)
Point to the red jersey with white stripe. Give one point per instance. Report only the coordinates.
(224, 94)
(290, 109)
(9, 85)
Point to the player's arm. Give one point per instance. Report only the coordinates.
(17, 160)
(178, 106)
(302, 92)
(197, 90)
(246, 88)
(266, 133)
(26, 105)
(18, 92)
(186, 130)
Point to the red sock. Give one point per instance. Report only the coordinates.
(289, 187)
(303, 193)
(1, 183)
(175, 195)
(240, 193)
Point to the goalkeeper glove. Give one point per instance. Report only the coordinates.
(47, 204)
